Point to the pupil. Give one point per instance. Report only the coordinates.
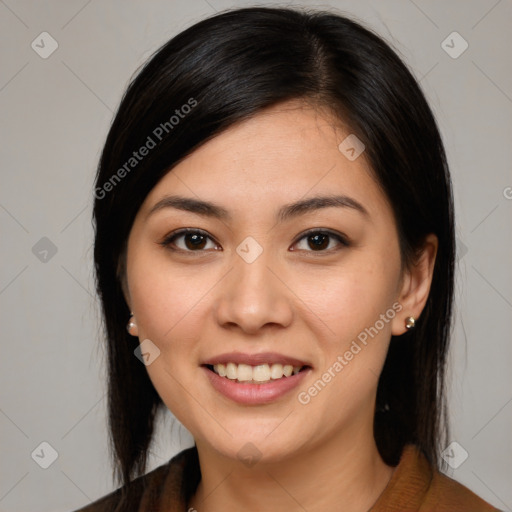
(194, 241)
(319, 241)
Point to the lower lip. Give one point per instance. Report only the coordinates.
(255, 394)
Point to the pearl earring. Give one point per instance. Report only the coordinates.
(131, 325)
(410, 322)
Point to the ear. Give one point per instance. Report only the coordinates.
(415, 285)
(121, 276)
(126, 292)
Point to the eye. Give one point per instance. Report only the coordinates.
(189, 240)
(197, 240)
(321, 241)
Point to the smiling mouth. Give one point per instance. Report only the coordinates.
(259, 374)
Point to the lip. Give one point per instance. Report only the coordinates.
(254, 394)
(255, 359)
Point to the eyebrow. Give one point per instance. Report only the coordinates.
(209, 209)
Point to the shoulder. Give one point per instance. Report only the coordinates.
(135, 489)
(145, 487)
(446, 494)
(416, 486)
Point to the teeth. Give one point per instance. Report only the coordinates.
(244, 372)
(221, 370)
(260, 373)
(276, 371)
(231, 371)
(287, 370)
(256, 374)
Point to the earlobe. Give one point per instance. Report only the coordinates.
(416, 287)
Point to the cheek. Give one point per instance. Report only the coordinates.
(356, 306)
(167, 302)
(351, 298)
(161, 295)
(170, 307)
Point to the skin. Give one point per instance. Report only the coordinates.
(306, 303)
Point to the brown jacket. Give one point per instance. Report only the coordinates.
(414, 487)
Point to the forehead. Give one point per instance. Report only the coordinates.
(284, 153)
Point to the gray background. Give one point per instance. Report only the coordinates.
(55, 113)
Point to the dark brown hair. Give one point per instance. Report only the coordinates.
(233, 65)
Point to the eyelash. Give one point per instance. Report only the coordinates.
(168, 241)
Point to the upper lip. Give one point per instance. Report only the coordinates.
(255, 359)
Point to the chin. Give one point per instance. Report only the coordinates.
(251, 445)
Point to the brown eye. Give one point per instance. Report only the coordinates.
(321, 241)
(189, 240)
(318, 242)
(194, 241)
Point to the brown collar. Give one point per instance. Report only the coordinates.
(413, 487)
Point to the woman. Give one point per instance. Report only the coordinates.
(274, 226)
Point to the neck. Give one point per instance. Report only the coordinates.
(346, 469)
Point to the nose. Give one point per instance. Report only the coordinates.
(253, 297)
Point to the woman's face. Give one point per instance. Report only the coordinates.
(317, 285)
